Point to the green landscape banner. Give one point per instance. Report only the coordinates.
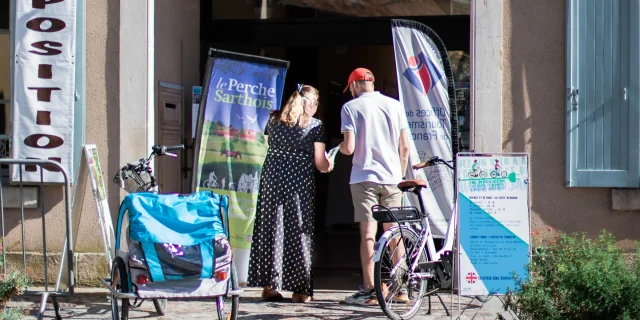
(239, 93)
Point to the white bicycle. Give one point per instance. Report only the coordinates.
(405, 256)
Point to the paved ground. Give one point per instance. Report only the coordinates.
(94, 304)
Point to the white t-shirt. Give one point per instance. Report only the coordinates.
(376, 121)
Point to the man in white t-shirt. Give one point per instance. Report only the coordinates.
(375, 131)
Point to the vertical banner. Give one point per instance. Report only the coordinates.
(239, 93)
(493, 208)
(425, 84)
(43, 91)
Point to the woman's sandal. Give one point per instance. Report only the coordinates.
(272, 295)
(301, 298)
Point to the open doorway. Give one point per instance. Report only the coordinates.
(323, 47)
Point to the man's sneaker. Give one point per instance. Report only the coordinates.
(360, 291)
(362, 298)
(402, 296)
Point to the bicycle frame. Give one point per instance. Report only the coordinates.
(426, 239)
(425, 236)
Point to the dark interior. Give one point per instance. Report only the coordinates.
(322, 49)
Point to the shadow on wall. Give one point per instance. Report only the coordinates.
(49, 201)
(534, 122)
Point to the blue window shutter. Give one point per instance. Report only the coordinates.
(602, 106)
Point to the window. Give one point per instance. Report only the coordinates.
(603, 105)
(5, 84)
(5, 88)
(5, 74)
(461, 68)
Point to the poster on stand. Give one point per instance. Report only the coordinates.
(494, 221)
(239, 93)
(90, 171)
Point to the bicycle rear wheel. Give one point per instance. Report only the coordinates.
(399, 294)
(227, 305)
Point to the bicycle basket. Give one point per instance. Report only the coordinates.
(133, 181)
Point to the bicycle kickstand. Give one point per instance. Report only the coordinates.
(441, 302)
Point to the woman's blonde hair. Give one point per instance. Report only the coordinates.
(300, 107)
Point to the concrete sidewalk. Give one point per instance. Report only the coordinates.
(94, 304)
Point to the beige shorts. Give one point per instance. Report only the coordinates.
(367, 194)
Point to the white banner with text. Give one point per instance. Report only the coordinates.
(422, 86)
(43, 92)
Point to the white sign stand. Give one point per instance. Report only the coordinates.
(90, 168)
(493, 221)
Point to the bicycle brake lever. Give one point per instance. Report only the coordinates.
(173, 155)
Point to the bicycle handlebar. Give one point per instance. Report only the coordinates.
(141, 173)
(432, 162)
(161, 150)
(176, 147)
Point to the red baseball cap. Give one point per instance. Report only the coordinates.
(359, 74)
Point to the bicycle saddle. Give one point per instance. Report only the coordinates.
(408, 184)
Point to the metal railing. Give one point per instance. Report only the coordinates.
(66, 262)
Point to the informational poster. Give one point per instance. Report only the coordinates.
(239, 94)
(90, 171)
(43, 87)
(100, 196)
(494, 221)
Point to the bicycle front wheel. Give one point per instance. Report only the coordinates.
(399, 293)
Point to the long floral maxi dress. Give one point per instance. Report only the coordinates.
(282, 242)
